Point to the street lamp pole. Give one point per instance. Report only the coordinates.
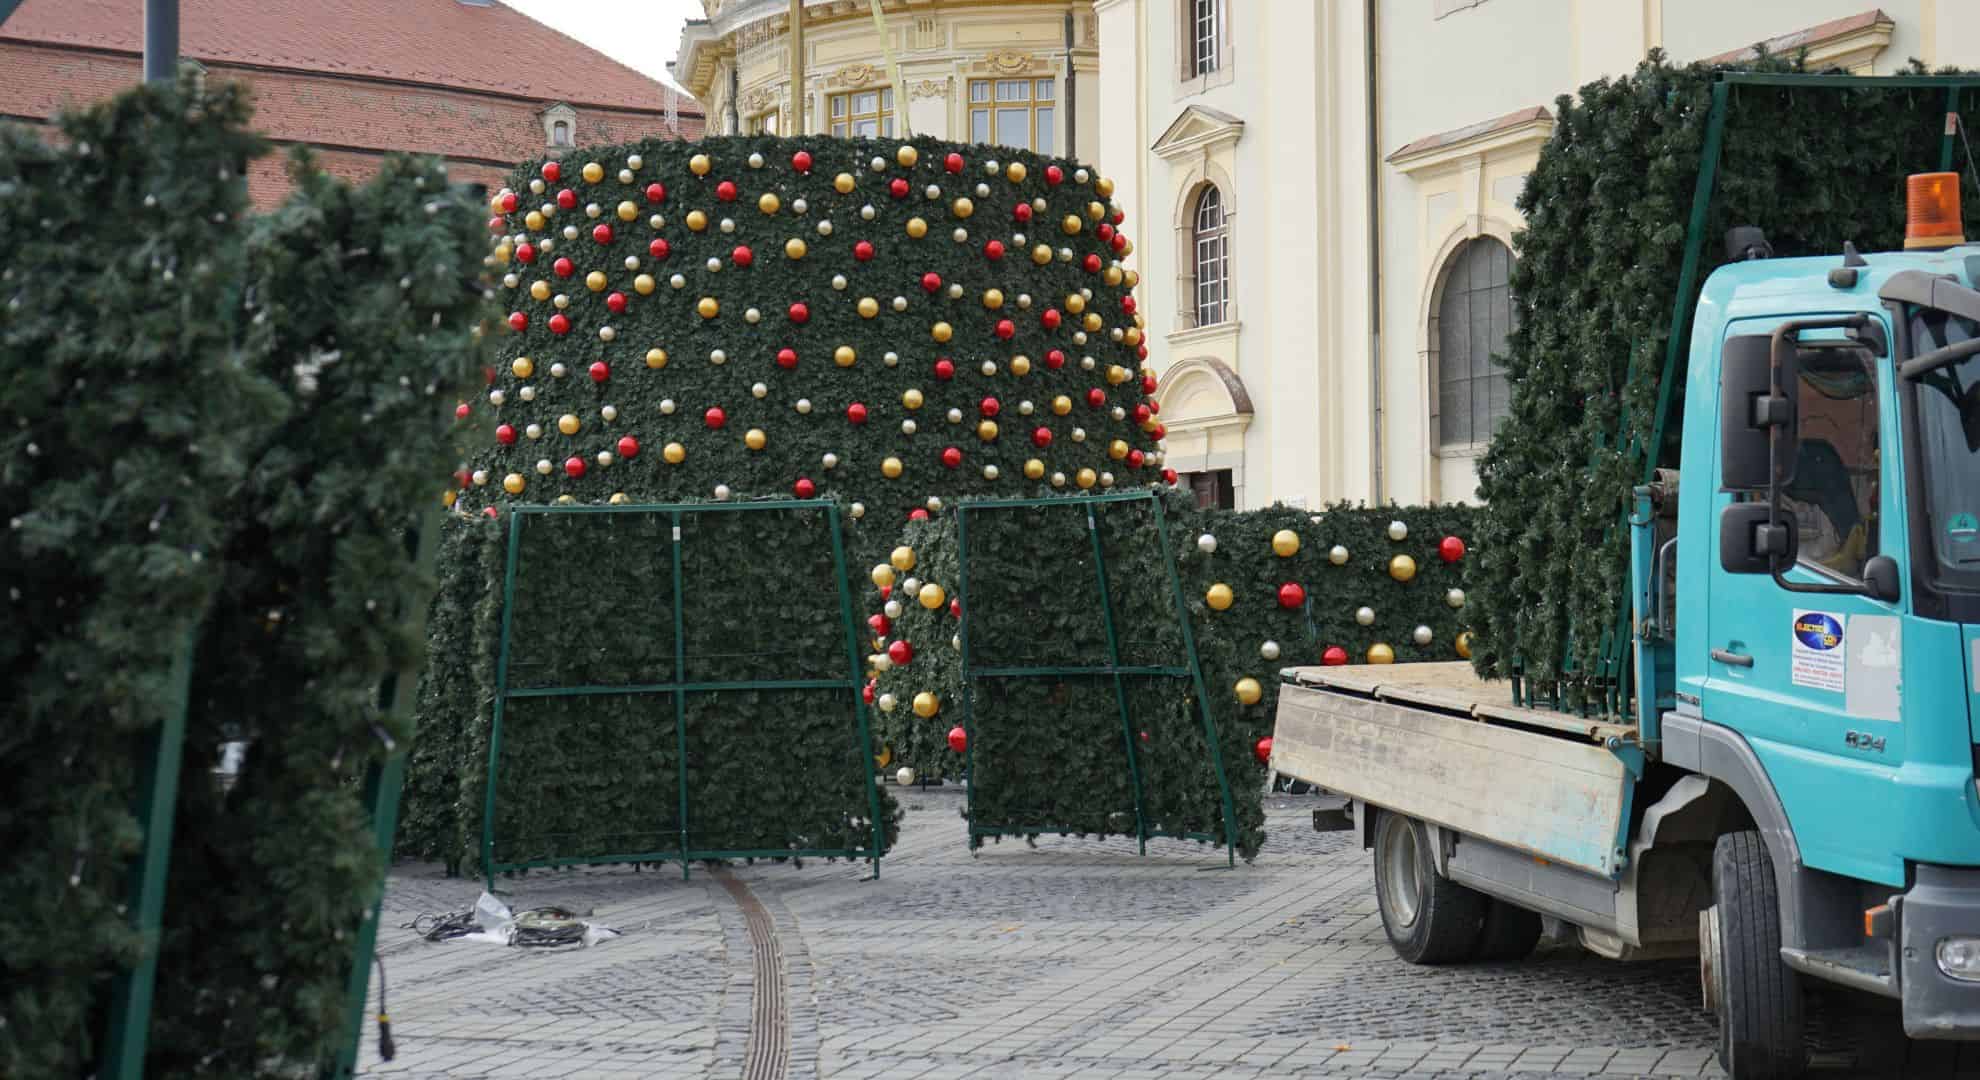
(161, 40)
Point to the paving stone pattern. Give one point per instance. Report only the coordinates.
(1073, 958)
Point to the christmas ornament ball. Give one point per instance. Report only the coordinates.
(1422, 635)
(1338, 555)
(1285, 543)
(883, 575)
(926, 704)
(1454, 598)
(1248, 691)
(1219, 597)
(905, 777)
(1365, 616)
(1291, 595)
(1402, 568)
(932, 596)
(1262, 750)
(1269, 650)
(1464, 645)
(958, 738)
(1335, 656)
(674, 453)
(1380, 653)
(1398, 530)
(902, 558)
(1450, 549)
(1207, 544)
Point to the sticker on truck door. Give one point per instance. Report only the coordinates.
(1817, 659)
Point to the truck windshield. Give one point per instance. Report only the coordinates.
(1949, 431)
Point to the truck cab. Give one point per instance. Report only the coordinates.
(1792, 793)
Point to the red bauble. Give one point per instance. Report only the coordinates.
(726, 191)
(563, 267)
(1135, 458)
(462, 411)
(953, 163)
(1335, 656)
(489, 511)
(800, 313)
(886, 591)
(656, 193)
(917, 514)
(1291, 595)
(1450, 549)
(863, 251)
(574, 466)
(1169, 476)
(1160, 433)
(506, 434)
(616, 303)
(1051, 318)
(1148, 383)
(510, 202)
(518, 321)
(1104, 232)
(931, 281)
(567, 199)
(951, 457)
(900, 652)
(1263, 749)
(1154, 406)
(898, 188)
(602, 233)
(461, 478)
(945, 369)
(804, 488)
(1141, 351)
(628, 447)
(1096, 397)
(496, 224)
(856, 413)
(988, 406)
(742, 256)
(1120, 216)
(955, 607)
(1041, 437)
(866, 693)
(559, 324)
(787, 358)
(1005, 329)
(1118, 243)
(1054, 175)
(488, 375)
(994, 250)
(1022, 212)
(1141, 413)
(658, 248)
(715, 417)
(958, 739)
(1127, 304)
(525, 253)
(552, 171)
(880, 624)
(1055, 359)
(801, 161)
(1092, 264)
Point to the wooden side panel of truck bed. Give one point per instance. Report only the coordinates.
(1425, 752)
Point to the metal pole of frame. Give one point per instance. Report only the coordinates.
(797, 67)
(161, 40)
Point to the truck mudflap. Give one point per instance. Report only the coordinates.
(1938, 916)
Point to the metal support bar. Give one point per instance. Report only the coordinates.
(501, 698)
(1120, 688)
(130, 994)
(680, 676)
(1952, 128)
(858, 699)
(1076, 670)
(968, 695)
(1196, 677)
(161, 41)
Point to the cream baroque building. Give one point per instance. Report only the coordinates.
(1018, 73)
(1323, 197)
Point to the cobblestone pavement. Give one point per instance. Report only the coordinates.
(1075, 958)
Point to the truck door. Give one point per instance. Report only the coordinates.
(1811, 680)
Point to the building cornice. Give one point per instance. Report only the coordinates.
(1198, 128)
(1518, 130)
(1852, 43)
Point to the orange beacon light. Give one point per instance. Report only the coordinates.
(1932, 211)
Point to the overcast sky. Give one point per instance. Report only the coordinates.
(641, 34)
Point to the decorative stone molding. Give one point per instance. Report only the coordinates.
(760, 99)
(1520, 130)
(1852, 44)
(928, 88)
(1199, 128)
(1009, 62)
(853, 75)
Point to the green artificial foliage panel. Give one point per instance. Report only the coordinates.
(1598, 268)
(228, 423)
(1052, 751)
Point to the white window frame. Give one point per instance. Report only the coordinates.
(1040, 101)
(1210, 258)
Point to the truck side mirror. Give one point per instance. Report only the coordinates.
(1749, 411)
(1880, 579)
(1749, 545)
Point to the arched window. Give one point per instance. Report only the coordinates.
(1208, 240)
(1470, 326)
(560, 134)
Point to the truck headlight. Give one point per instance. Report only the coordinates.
(1959, 958)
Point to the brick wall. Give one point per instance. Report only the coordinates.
(355, 121)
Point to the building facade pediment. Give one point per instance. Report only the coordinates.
(1199, 128)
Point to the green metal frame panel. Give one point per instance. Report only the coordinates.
(680, 688)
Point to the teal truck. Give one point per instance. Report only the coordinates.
(1789, 793)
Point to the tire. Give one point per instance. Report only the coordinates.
(1429, 919)
(1759, 998)
(1509, 934)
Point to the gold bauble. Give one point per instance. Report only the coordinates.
(592, 172)
(513, 483)
(568, 424)
(868, 307)
(1112, 276)
(926, 704)
(902, 558)
(917, 228)
(1116, 374)
(1118, 449)
(708, 307)
(942, 332)
(1061, 405)
(1285, 543)
(656, 358)
(447, 498)
(502, 253)
(523, 367)
(1034, 469)
(891, 468)
(755, 439)
(986, 430)
(628, 211)
(883, 576)
(993, 298)
(698, 164)
(795, 248)
(619, 498)
(844, 356)
(1131, 277)
(907, 156)
(1219, 597)
(1133, 335)
(1104, 188)
(962, 208)
(1248, 691)
(769, 203)
(1464, 645)
(1093, 322)
(1041, 254)
(674, 453)
(1020, 365)
(1095, 211)
(539, 290)
(1071, 224)
(643, 284)
(843, 183)
(1016, 172)
(596, 281)
(1379, 653)
(1075, 303)
(932, 596)
(911, 399)
(696, 220)
(1127, 248)
(1402, 567)
(1086, 479)
(535, 221)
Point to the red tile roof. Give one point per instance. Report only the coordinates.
(489, 48)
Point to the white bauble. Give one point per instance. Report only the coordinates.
(1422, 635)
(905, 777)
(1398, 531)
(1365, 616)
(1269, 650)
(886, 702)
(1338, 555)
(1206, 544)
(1455, 598)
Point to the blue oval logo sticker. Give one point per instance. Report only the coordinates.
(1818, 631)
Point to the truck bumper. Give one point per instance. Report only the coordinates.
(1943, 904)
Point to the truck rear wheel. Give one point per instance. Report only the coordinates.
(1429, 919)
(1756, 997)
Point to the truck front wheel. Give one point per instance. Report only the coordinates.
(1757, 997)
(1429, 919)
